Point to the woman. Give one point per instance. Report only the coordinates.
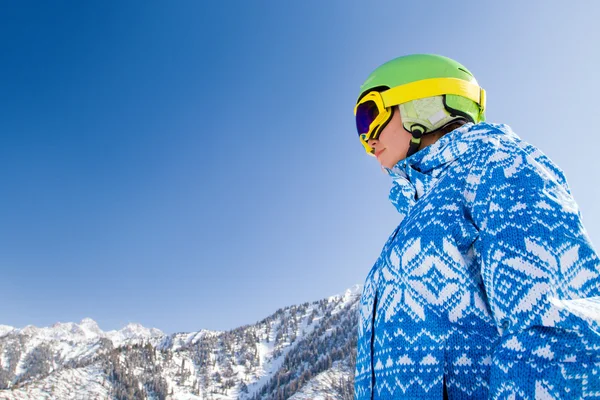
(485, 289)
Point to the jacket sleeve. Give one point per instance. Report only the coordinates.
(540, 274)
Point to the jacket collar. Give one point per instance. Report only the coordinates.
(414, 176)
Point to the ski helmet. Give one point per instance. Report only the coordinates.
(431, 92)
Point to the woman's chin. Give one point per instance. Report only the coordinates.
(389, 164)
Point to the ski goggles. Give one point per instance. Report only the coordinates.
(371, 117)
(374, 110)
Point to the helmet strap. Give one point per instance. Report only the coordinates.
(417, 133)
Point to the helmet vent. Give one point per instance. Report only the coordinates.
(465, 71)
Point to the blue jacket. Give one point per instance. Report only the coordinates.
(488, 287)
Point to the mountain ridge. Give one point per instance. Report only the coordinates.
(91, 325)
(271, 359)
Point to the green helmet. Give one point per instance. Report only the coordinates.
(426, 102)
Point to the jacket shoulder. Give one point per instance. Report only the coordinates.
(502, 148)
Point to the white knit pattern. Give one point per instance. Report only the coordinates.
(489, 285)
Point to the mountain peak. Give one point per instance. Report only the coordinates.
(90, 328)
(349, 294)
(4, 329)
(354, 290)
(133, 330)
(88, 321)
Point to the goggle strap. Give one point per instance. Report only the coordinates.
(433, 87)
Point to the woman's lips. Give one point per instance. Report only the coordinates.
(377, 153)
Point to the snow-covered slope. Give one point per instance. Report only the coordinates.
(4, 329)
(336, 382)
(290, 352)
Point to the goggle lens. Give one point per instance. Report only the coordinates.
(365, 115)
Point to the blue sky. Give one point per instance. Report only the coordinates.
(194, 165)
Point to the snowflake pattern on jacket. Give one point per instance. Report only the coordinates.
(489, 286)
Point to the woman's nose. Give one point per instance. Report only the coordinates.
(372, 142)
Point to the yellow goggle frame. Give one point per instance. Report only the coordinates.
(376, 125)
(414, 91)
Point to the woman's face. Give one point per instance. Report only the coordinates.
(393, 142)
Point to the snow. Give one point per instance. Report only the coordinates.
(270, 367)
(90, 328)
(86, 331)
(320, 387)
(71, 341)
(82, 383)
(133, 331)
(4, 359)
(5, 329)
(266, 367)
(29, 330)
(348, 295)
(81, 341)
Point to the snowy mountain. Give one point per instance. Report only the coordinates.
(300, 352)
